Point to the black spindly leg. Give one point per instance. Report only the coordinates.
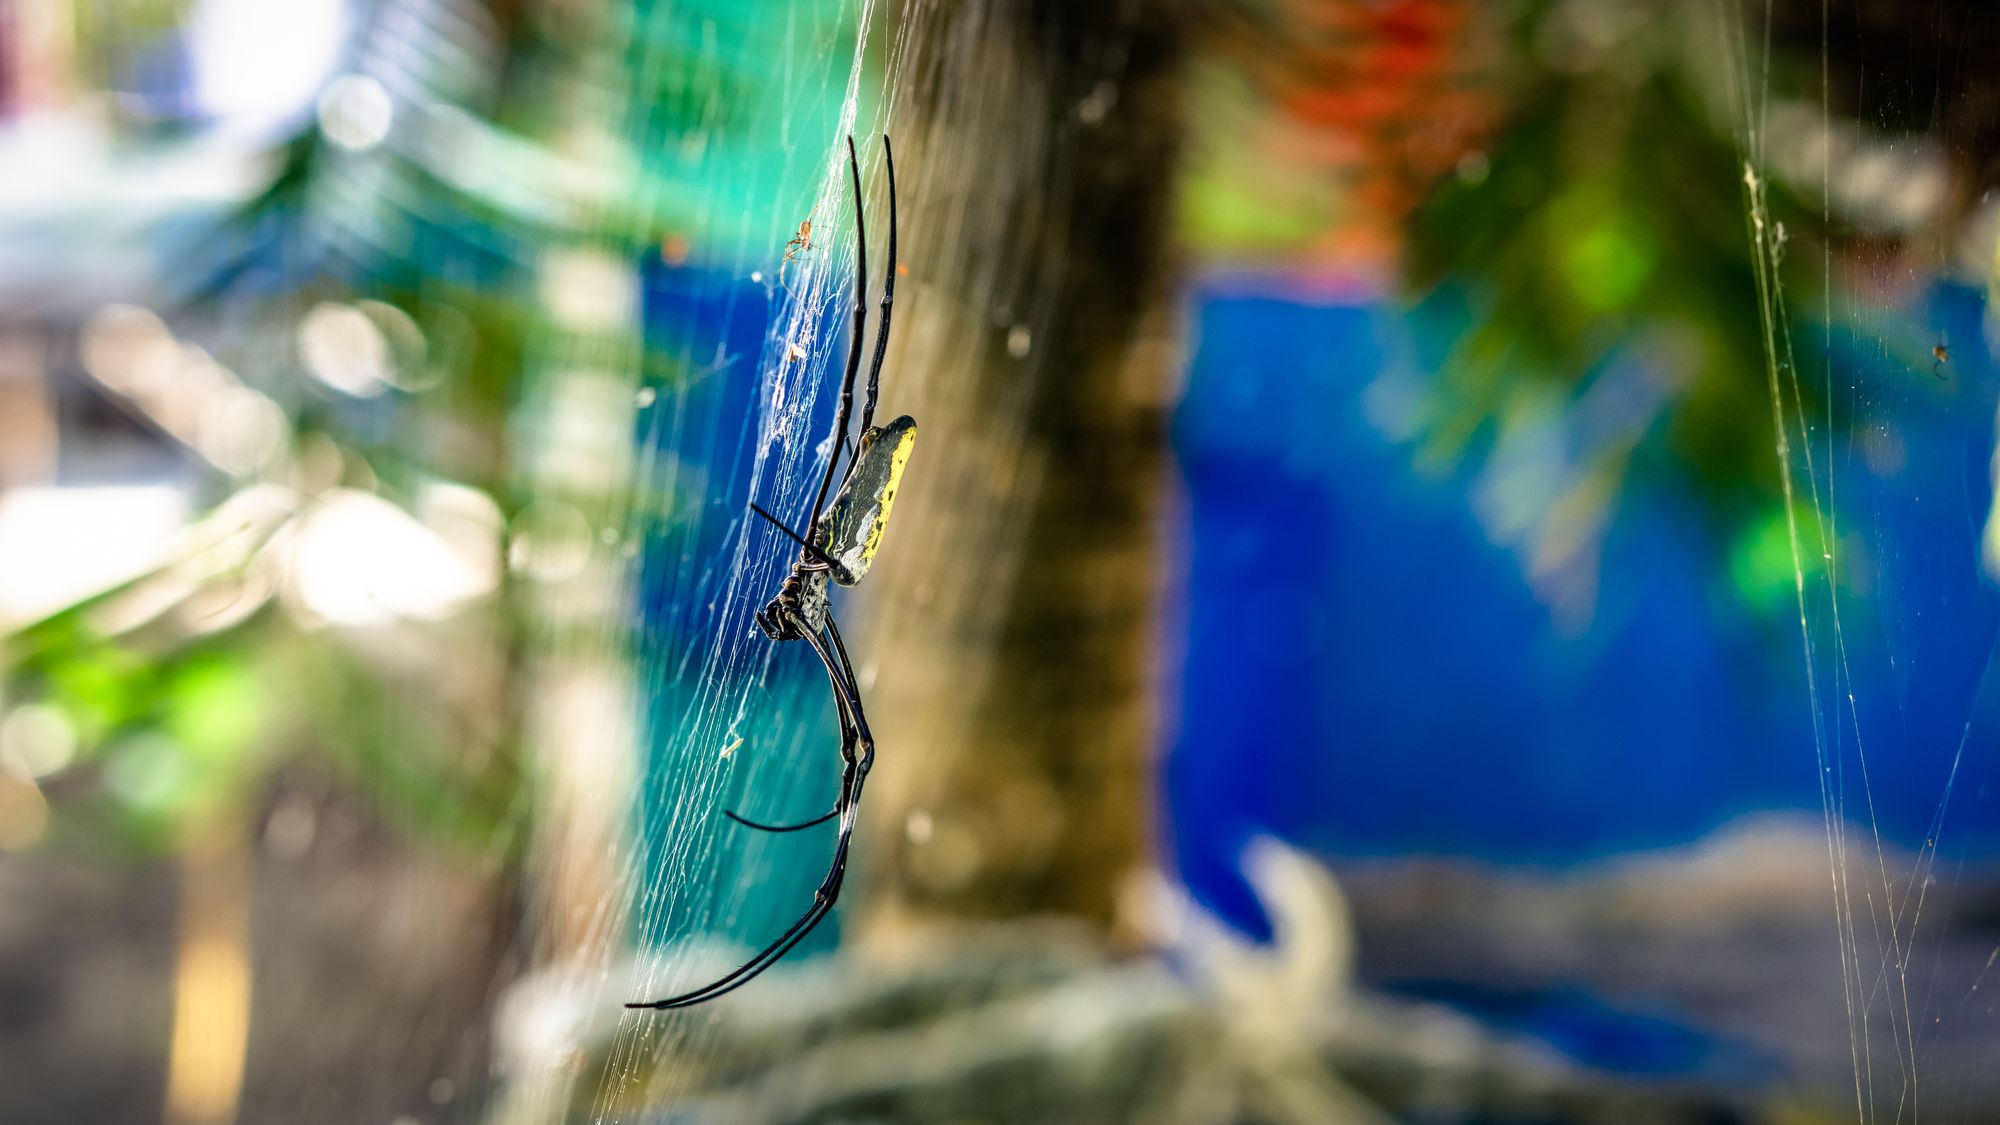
(762, 827)
(854, 773)
(888, 297)
(845, 413)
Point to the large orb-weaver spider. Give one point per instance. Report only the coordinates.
(839, 544)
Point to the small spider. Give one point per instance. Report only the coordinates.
(801, 242)
(1940, 355)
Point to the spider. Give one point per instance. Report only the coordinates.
(801, 242)
(1940, 355)
(838, 545)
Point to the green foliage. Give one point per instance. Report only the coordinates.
(1606, 226)
(170, 736)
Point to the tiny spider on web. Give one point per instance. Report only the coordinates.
(801, 242)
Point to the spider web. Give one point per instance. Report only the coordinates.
(746, 112)
(1882, 446)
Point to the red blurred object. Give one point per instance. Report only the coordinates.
(1379, 99)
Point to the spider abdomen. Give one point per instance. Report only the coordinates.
(861, 510)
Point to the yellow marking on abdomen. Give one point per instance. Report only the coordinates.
(897, 461)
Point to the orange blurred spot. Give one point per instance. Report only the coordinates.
(674, 249)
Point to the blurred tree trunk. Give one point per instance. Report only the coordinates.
(1014, 620)
(27, 410)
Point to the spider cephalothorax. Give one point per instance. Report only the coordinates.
(800, 607)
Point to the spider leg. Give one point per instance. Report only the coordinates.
(847, 703)
(849, 733)
(888, 296)
(854, 343)
(854, 774)
(762, 827)
(849, 686)
(750, 969)
(809, 549)
(823, 900)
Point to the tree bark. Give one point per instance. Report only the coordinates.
(1013, 613)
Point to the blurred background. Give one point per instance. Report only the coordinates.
(1448, 573)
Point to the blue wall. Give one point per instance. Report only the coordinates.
(1365, 672)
